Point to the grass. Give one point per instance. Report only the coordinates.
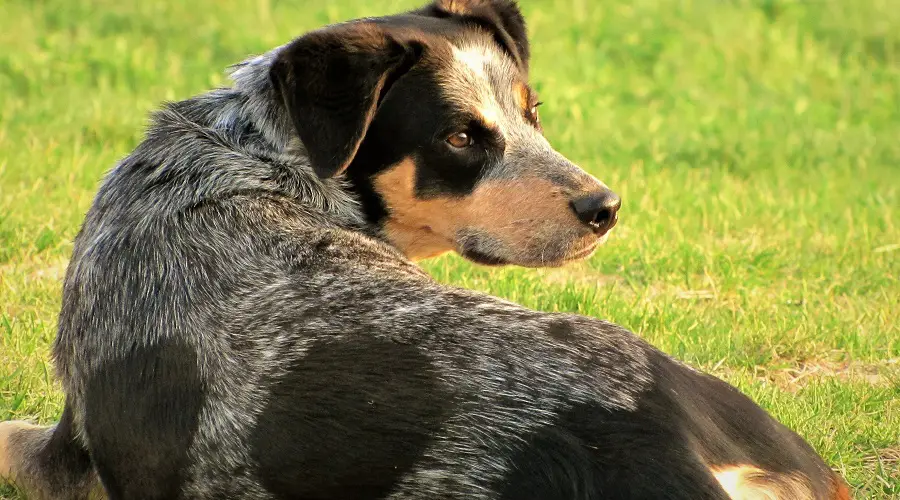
(756, 145)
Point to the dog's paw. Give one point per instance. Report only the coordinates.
(7, 453)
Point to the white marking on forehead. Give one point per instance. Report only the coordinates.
(474, 58)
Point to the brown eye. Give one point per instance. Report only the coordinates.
(460, 140)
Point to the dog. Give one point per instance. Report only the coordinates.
(243, 318)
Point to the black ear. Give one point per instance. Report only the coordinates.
(501, 17)
(332, 81)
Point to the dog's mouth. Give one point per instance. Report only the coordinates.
(473, 253)
(483, 258)
(585, 252)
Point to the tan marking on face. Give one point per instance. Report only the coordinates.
(413, 234)
(521, 94)
(746, 482)
(519, 213)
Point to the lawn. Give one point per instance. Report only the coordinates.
(756, 145)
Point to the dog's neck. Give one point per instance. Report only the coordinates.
(224, 143)
(261, 103)
(250, 113)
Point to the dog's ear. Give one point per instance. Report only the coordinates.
(332, 81)
(501, 17)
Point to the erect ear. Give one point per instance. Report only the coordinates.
(501, 17)
(332, 81)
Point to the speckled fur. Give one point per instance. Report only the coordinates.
(214, 248)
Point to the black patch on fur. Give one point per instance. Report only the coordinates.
(445, 170)
(332, 80)
(592, 453)
(370, 201)
(561, 331)
(141, 415)
(348, 419)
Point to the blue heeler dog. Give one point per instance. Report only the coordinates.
(242, 317)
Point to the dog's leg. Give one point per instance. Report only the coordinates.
(47, 462)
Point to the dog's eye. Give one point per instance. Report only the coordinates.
(460, 140)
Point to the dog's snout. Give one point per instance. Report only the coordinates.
(598, 210)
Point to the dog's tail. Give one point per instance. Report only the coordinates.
(47, 462)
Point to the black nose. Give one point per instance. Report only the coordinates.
(598, 210)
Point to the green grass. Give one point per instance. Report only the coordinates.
(756, 145)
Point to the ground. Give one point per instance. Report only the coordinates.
(756, 145)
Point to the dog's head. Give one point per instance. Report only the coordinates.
(430, 116)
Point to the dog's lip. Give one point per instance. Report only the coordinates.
(586, 251)
(486, 259)
(483, 258)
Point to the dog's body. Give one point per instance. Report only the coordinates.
(239, 323)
